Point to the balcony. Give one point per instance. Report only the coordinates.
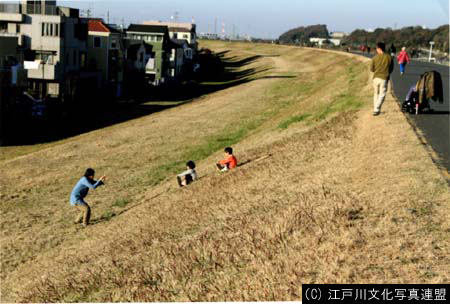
(44, 72)
(10, 12)
(6, 34)
(39, 9)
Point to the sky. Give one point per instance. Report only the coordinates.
(271, 18)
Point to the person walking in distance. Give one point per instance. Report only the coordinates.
(80, 191)
(381, 66)
(403, 59)
(393, 50)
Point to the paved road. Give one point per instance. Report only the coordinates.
(436, 126)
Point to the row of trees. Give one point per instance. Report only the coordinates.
(411, 37)
(301, 35)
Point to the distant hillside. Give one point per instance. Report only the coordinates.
(412, 36)
(301, 35)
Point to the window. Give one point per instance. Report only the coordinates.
(46, 57)
(150, 64)
(50, 29)
(158, 38)
(82, 60)
(97, 42)
(75, 57)
(113, 43)
(17, 28)
(175, 35)
(185, 36)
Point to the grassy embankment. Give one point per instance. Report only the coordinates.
(327, 194)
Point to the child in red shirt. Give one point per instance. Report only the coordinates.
(230, 162)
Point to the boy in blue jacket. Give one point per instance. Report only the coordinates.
(80, 191)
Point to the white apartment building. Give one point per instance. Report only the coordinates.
(54, 39)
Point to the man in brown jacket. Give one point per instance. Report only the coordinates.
(382, 66)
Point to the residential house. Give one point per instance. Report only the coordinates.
(157, 67)
(106, 54)
(55, 43)
(11, 61)
(178, 33)
(180, 30)
(177, 58)
(139, 57)
(13, 82)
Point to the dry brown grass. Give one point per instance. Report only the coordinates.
(343, 198)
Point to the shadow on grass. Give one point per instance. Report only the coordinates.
(217, 72)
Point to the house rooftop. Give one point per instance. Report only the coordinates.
(99, 26)
(142, 28)
(186, 25)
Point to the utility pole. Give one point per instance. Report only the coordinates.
(107, 17)
(43, 74)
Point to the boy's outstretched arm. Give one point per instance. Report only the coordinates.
(96, 184)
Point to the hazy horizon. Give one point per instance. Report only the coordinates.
(267, 19)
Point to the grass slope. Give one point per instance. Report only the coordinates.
(327, 194)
